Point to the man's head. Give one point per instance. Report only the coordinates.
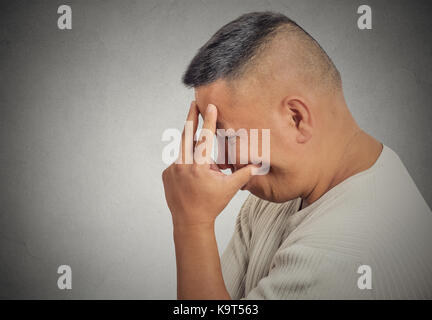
(263, 71)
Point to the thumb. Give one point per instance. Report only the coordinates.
(240, 177)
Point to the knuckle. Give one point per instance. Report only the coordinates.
(179, 168)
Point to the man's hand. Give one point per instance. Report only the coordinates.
(197, 193)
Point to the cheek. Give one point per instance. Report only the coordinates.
(256, 149)
(237, 151)
(282, 147)
(260, 146)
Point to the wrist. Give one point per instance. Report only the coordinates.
(193, 229)
(192, 222)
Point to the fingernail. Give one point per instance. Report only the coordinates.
(210, 108)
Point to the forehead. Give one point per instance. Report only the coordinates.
(219, 94)
(238, 103)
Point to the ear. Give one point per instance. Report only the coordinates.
(301, 116)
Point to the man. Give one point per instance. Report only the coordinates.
(336, 216)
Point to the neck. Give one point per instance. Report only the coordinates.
(358, 152)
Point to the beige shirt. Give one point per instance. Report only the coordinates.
(369, 237)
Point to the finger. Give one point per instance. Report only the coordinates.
(192, 116)
(210, 117)
(204, 147)
(219, 167)
(224, 166)
(240, 177)
(222, 154)
(215, 167)
(187, 144)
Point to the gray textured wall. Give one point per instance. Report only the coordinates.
(82, 113)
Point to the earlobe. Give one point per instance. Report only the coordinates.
(304, 136)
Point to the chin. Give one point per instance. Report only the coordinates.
(261, 188)
(257, 187)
